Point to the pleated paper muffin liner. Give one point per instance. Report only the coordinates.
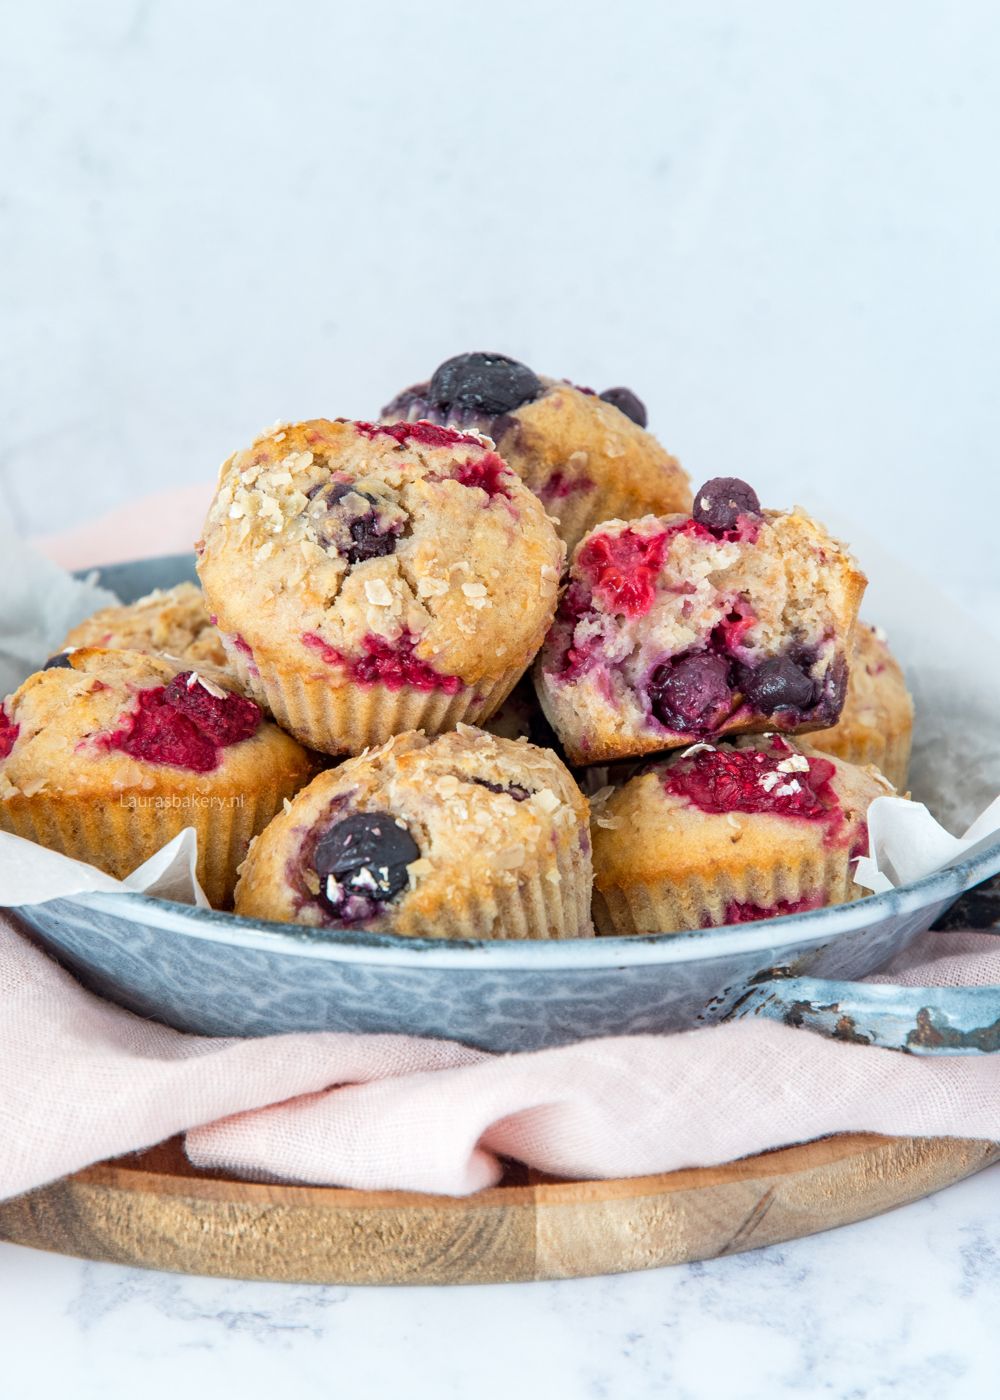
(695, 902)
(348, 718)
(122, 831)
(549, 901)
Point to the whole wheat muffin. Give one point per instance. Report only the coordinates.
(462, 836)
(368, 580)
(107, 755)
(587, 456)
(676, 628)
(171, 621)
(876, 723)
(728, 834)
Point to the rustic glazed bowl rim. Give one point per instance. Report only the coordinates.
(551, 955)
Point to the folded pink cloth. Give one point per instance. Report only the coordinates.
(82, 1080)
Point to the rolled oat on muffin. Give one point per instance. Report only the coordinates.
(106, 755)
(678, 628)
(460, 836)
(587, 456)
(372, 579)
(728, 834)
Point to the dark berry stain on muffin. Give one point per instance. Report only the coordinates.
(776, 780)
(8, 733)
(514, 790)
(184, 724)
(391, 664)
(628, 403)
(559, 486)
(484, 383)
(361, 863)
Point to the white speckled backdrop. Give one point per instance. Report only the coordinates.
(778, 222)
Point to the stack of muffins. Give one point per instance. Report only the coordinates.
(386, 708)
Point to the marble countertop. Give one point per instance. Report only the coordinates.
(901, 1305)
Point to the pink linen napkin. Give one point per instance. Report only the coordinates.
(82, 1080)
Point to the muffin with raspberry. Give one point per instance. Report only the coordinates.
(876, 723)
(587, 456)
(171, 621)
(461, 836)
(371, 579)
(730, 833)
(107, 755)
(677, 628)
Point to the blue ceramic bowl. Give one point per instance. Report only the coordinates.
(217, 974)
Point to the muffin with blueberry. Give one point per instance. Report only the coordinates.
(107, 755)
(369, 579)
(728, 834)
(461, 836)
(683, 627)
(587, 456)
(876, 723)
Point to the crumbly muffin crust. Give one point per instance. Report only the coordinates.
(876, 723)
(473, 837)
(108, 754)
(170, 621)
(346, 556)
(587, 457)
(674, 629)
(729, 833)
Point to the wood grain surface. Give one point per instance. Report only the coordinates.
(155, 1211)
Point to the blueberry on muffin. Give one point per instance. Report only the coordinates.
(371, 579)
(107, 755)
(587, 456)
(460, 836)
(170, 621)
(728, 834)
(678, 628)
(876, 723)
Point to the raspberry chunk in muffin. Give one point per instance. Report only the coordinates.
(678, 628)
(730, 833)
(587, 456)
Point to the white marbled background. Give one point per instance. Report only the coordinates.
(779, 223)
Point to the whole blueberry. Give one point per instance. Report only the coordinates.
(61, 658)
(721, 501)
(628, 403)
(484, 383)
(691, 694)
(366, 854)
(779, 684)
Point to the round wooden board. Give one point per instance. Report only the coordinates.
(155, 1211)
